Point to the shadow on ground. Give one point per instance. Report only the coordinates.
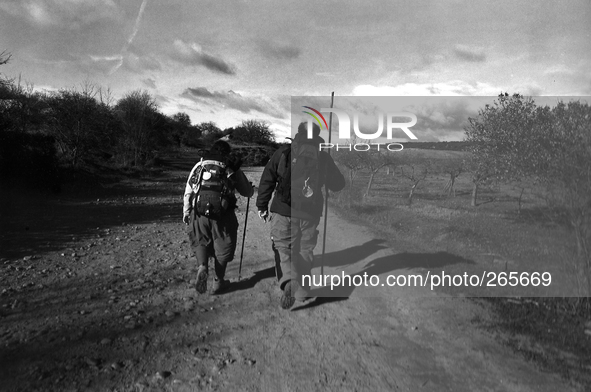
(347, 261)
(30, 224)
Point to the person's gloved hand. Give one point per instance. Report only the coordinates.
(186, 219)
(234, 162)
(264, 215)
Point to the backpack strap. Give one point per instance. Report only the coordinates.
(214, 162)
(284, 162)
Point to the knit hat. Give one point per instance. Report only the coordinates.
(302, 135)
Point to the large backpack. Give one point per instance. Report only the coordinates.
(300, 176)
(214, 191)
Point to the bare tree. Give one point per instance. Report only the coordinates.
(374, 161)
(23, 106)
(137, 113)
(105, 96)
(350, 159)
(5, 57)
(252, 132)
(453, 167)
(415, 169)
(78, 121)
(480, 174)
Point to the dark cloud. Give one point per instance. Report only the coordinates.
(149, 82)
(466, 53)
(202, 92)
(193, 54)
(232, 100)
(279, 51)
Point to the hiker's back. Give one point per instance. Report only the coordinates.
(301, 173)
(214, 190)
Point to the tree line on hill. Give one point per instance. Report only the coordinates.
(43, 132)
(517, 141)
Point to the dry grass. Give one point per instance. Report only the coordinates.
(497, 237)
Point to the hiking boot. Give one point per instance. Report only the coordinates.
(201, 284)
(220, 285)
(288, 298)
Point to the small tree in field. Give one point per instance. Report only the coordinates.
(503, 138)
(374, 161)
(352, 162)
(415, 169)
(480, 175)
(452, 167)
(349, 160)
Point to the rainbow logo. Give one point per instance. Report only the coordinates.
(316, 118)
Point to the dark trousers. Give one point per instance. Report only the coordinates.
(215, 238)
(293, 242)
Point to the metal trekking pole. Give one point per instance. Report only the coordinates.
(244, 236)
(326, 188)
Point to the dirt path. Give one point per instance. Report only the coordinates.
(96, 294)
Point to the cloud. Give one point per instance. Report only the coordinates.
(575, 78)
(151, 83)
(470, 54)
(232, 100)
(279, 51)
(193, 54)
(450, 88)
(71, 14)
(445, 117)
(438, 117)
(202, 92)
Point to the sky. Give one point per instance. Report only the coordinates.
(232, 60)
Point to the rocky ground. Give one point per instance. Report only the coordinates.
(96, 293)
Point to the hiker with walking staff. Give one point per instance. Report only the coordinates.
(296, 173)
(208, 210)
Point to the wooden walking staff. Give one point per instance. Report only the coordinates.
(326, 191)
(244, 236)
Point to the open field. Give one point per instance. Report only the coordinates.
(494, 237)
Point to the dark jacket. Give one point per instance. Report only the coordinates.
(334, 181)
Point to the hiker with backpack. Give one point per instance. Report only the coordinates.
(296, 173)
(208, 209)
